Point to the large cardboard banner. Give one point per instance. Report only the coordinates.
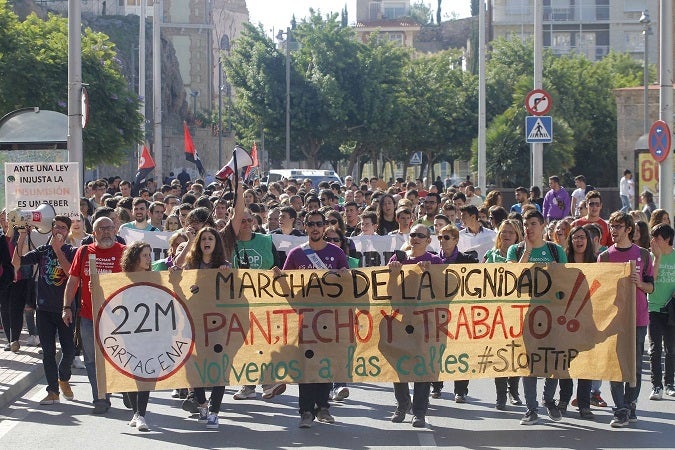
(160, 330)
(28, 185)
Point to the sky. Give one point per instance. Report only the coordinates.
(275, 14)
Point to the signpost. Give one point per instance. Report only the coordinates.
(538, 129)
(538, 102)
(659, 140)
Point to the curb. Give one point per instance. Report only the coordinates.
(23, 384)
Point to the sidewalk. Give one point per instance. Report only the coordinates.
(18, 371)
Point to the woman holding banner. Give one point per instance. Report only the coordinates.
(419, 239)
(579, 249)
(448, 236)
(137, 257)
(510, 232)
(208, 253)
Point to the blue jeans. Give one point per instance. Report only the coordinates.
(50, 324)
(625, 204)
(89, 349)
(530, 391)
(622, 393)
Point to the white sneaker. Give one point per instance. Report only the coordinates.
(212, 421)
(340, 393)
(78, 363)
(141, 424)
(134, 420)
(244, 393)
(34, 340)
(657, 394)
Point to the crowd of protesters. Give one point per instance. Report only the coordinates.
(215, 229)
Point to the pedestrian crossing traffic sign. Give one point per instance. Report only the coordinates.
(416, 159)
(538, 129)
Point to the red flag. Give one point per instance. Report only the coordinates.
(145, 165)
(254, 158)
(190, 152)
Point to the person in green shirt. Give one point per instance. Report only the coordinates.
(662, 335)
(535, 249)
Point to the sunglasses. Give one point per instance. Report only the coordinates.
(446, 237)
(419, 235)
(318, 223)
(332, 221)
(336, 240)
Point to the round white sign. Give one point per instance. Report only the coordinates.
(145, 332)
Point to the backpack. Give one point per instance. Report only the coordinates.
(552, 247)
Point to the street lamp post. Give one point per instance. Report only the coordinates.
(288, 94)
(194, 95)
(645, 21)
(220, 112)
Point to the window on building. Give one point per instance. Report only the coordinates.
(393, 10)
(518, 7)
(633, 5)
(375, 8)
(396, 38)
(561, 43)
(586, 44)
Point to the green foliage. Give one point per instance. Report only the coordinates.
(582, 102)
(421, 13)
(34, 69)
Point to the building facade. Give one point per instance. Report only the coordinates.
(589, 27)
(389, 18)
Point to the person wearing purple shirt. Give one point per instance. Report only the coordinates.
(315, 254)
(621, 228)
(418, 240)
(557, 201)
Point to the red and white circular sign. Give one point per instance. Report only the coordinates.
(538, 102)
(145, 331)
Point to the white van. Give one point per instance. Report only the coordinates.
(317, 176)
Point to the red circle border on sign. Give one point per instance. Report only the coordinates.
(532, 111)
(652, 149)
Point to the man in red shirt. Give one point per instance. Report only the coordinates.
(108, 253)
(594, 204)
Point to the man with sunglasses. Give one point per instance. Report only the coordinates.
(420, 238)
(316, 253)
(594, 205)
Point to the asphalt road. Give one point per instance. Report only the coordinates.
(362, 421)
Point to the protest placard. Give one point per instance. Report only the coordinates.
(161, 330)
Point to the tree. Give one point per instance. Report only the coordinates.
(438, 12)
(440, 99)
(583, 106)
(34, 68)
(421, 13)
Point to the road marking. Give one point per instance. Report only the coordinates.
(426, 438)
(21, 412)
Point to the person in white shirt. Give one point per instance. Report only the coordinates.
(474, 237)
(626, 191)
